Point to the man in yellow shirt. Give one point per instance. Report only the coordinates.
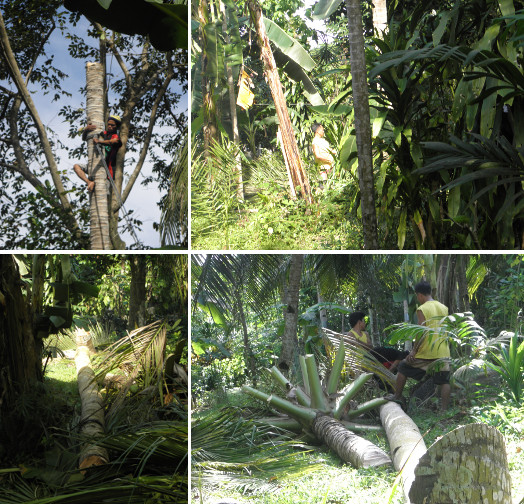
(427, 349)
(358, 326)
(322, 151)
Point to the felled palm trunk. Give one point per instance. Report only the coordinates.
(99, 214)
(92, 418)
(317, 409)
(289, 142)
(468, 464)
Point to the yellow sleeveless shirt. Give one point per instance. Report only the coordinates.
(438, 347)
(363, 338)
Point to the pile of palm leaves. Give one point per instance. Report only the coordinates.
(233, 451)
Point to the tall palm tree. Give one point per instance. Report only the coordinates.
(99, 214)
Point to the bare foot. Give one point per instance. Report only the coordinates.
(90, 185)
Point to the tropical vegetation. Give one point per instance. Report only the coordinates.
(252, 375)
(445, 84)
(141, 77)
(127, 317)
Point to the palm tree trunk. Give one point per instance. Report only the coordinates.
(362, 124)
(99, 213)
(380, 16)
(288, 137)
(359, 452)
(92, 418)
(289, 338)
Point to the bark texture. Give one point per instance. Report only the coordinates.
(99, 213)
(380, 16)
(289, 142)
(362, 124)
(289, 339)
(137, 292)
(359, 452)
(405, 441)
(92, 418)
(468, 464)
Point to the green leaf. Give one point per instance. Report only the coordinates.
(57, 321)
(401, 230)
(325, 8)
(105, 3)
(441, 28)
(454, 202)
(288, 45)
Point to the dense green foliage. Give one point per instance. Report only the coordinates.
(446, 101)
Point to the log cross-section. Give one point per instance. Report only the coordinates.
(92, 418)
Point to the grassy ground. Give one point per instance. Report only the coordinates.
(278, 223)
(337, 483)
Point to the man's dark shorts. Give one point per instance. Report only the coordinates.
(417, 373)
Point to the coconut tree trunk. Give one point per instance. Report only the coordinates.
(405, 442)
(288, 137)
(99, 214)
(469, 464)
(92, 418)
(362, 124)
(359, 452)
(20, 362)
(289, 338)
(380, 16)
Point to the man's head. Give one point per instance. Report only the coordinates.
(422, 290)
(318, 129)
(357, 317)
(113, 123)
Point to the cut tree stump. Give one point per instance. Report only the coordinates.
(469, 464)
(92, 418)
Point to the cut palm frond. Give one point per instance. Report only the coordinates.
(358, 359)
(237, 453)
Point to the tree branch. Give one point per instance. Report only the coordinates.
(37, 53)
(111, 43)
(14, 71)
(145, 148)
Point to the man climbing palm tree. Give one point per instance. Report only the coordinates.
(111, 142)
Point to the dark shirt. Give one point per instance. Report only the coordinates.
(111, 150)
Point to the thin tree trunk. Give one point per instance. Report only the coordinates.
(288, 137)
(289, 338)
(362, 124)
(92, 418)
(137, 292)
(232, 107)
(99, 213)
(248, 352)
(210, 130)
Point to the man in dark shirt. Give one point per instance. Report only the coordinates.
(110, 141)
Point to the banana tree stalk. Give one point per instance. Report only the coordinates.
(352, 390)
(299, 413)
(302, 398)
(317, 394)
(374, 403)
(305, 379)
(334, 376)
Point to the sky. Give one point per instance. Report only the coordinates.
(141, 199)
